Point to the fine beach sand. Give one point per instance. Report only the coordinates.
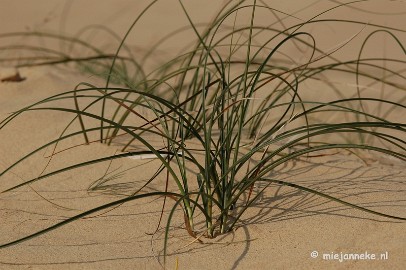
(283, 230)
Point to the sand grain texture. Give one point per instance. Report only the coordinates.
(279, 232)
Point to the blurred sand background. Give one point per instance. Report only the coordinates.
(280, 232)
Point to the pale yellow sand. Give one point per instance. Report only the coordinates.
(282, 231)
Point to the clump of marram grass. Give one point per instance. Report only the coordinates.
(237, 99)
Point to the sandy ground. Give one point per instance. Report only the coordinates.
(285, 229)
